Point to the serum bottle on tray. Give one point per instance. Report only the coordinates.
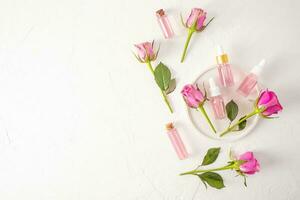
(250, 81)
(224, 69)
(216, 100)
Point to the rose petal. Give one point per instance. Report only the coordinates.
(141, 51)
(200, 21)
(193, 17)
(272, 110)
(145, 51)
(250, 167)
(193, 97)
(273, 100)
(149, 49)
(246, 156)
(264, 98)
(269, 101)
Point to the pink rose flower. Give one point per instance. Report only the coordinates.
(196, 17)
(146, 52)
(194, 23)
(251, 165)
(269, 101)
(192, 96)
(245, 164)
(267, 104)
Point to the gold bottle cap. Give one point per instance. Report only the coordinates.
(222, 59)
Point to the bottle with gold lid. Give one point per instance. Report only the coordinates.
(224, 68)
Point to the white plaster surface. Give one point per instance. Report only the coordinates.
(81, 119)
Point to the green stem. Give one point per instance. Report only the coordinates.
(190, 33)
(150, 67)
(231, 128)
(161, 91)
(201, 108)
(166, 101)
(193, 172)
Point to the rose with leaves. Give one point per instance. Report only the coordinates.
(245, 164)
(266, 105)
(162, 74)
(194, 98)
(194, 23)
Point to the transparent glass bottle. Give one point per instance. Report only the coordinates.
(224, 69)
(176, 141)
(250, 80)
(164, 23)
(216, 100)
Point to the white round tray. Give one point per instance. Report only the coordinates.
(245, 105)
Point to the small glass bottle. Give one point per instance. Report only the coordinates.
(176, 141)
(216, 100)
(224, 69)
(250, 81)
(164, 24)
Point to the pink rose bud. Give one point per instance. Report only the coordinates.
(145, 52)
(194, 23)
(192, 96)
(197, 18)
(269, 102)
(251, 165)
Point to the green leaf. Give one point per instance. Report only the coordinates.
(172, 86)
(213, 179)
(211, 156)
(232, 110)
(243, 124)
(162, 76)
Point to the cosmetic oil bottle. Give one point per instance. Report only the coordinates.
(216, 100)
(164, 24)
(224, 69)
(176, 141)
(250, 81)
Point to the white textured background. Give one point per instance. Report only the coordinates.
(80, 118)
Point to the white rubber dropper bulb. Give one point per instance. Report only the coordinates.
(214, 88)
(257, 69)
(220, 50)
